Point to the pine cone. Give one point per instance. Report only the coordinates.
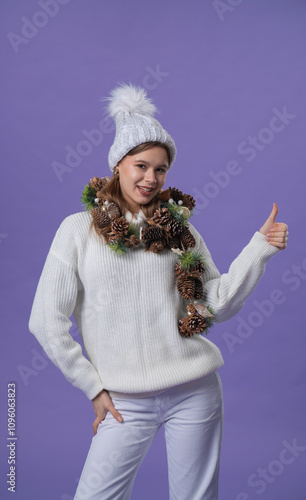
(196, 324)
(187, 239)
(120, 227)
(176, 194)
(158, 246)
(200, 268)
(112, 236)
(101, 221)
(180, 272)
(161, 216)
(184, 328)
(178, 269)
(113, 210)
(174, 228)
(198, 290)
(174, 243)
(186, 287)
(132, 242)
(101, 197)
(152, 233)
(164, 195)
(98, 183)
(191, 310)
(188, 201)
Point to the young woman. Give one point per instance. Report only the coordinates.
(143, 288)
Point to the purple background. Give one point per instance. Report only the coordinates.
(216, 74)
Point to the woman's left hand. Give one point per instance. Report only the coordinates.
(276, 232)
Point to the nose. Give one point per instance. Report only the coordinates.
(150, 176)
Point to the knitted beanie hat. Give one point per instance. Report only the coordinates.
(133, 115)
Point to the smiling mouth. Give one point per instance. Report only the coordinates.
(145, 191)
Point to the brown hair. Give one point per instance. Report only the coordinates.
(112, 191)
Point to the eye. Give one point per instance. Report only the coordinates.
(161, 169)
(141, 165)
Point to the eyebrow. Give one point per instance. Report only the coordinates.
(148, 163)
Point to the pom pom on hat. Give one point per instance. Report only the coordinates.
(133, 113)
(131, 100)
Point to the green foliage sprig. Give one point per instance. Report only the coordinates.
(178, 212)
(190, 259)
(118, 246)
(88, 197)
(133, 230)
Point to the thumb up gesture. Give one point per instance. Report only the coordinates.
(276, 232)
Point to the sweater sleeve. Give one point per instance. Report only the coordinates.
(54, 303)
(227, 293)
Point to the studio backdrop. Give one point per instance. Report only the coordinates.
(228, 79)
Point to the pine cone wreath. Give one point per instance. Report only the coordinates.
(100, 219)
(186, 287)
(187, 239)
(119, 228)
(198, 289)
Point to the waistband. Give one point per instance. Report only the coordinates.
(133, 395)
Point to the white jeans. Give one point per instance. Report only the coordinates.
(192, 414)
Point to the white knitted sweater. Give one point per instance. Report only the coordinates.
(127, 310)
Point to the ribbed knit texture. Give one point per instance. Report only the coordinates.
(133, 129)
(127, 310)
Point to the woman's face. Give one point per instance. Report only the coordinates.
(142, 175)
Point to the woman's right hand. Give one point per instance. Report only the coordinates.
(102, 404)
